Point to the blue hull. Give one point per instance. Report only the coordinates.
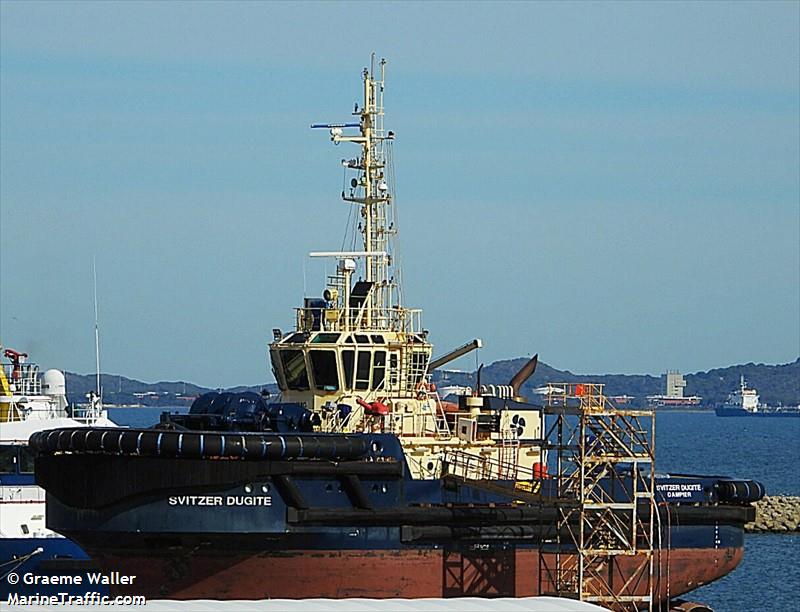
(293, 518)
(736, 412)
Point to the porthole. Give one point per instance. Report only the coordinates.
(248, 488)
(265, 488)
(376, 446)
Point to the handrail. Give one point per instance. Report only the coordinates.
(310, 319)
(588, 396)
(24, 379)
(470, 466)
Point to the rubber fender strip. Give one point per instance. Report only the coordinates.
(52, 444)
(153, 442)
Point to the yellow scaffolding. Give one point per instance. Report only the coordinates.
(602, 463)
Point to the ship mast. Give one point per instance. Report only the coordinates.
(370, 190)
(98, 389)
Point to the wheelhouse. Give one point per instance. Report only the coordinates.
(327, 363)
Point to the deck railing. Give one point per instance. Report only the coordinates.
(359, 319)
(471, 466)
(588, 397)
(24, 379)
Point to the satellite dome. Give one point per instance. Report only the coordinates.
(54, 383)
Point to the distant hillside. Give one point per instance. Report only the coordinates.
(777, 384)
(501, 372)
(121, 390)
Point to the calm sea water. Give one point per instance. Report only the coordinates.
(758, 448)
(764, 449)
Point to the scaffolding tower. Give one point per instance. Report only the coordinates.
(601, 464)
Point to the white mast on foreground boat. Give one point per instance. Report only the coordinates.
(95, 409)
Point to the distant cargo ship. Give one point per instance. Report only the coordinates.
(745, 402)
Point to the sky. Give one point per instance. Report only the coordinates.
(615, 186)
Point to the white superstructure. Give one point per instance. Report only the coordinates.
(30, 402)
(743, 398)
(359, 359)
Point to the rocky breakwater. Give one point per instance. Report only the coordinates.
(776, 514)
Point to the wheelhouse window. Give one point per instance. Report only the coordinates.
(277, 370)
(348, 362)
(294, 370)
(323, 367)
(362, 371)
(325, 338)
(378, 369)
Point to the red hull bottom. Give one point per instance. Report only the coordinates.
(392, 573)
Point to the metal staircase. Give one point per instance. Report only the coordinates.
(605, 482)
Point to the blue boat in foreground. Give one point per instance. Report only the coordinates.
(31, 402)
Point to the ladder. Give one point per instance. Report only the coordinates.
(509, 455)
(432, 409)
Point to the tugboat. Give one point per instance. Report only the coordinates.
(359, 481)
(32, 401)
